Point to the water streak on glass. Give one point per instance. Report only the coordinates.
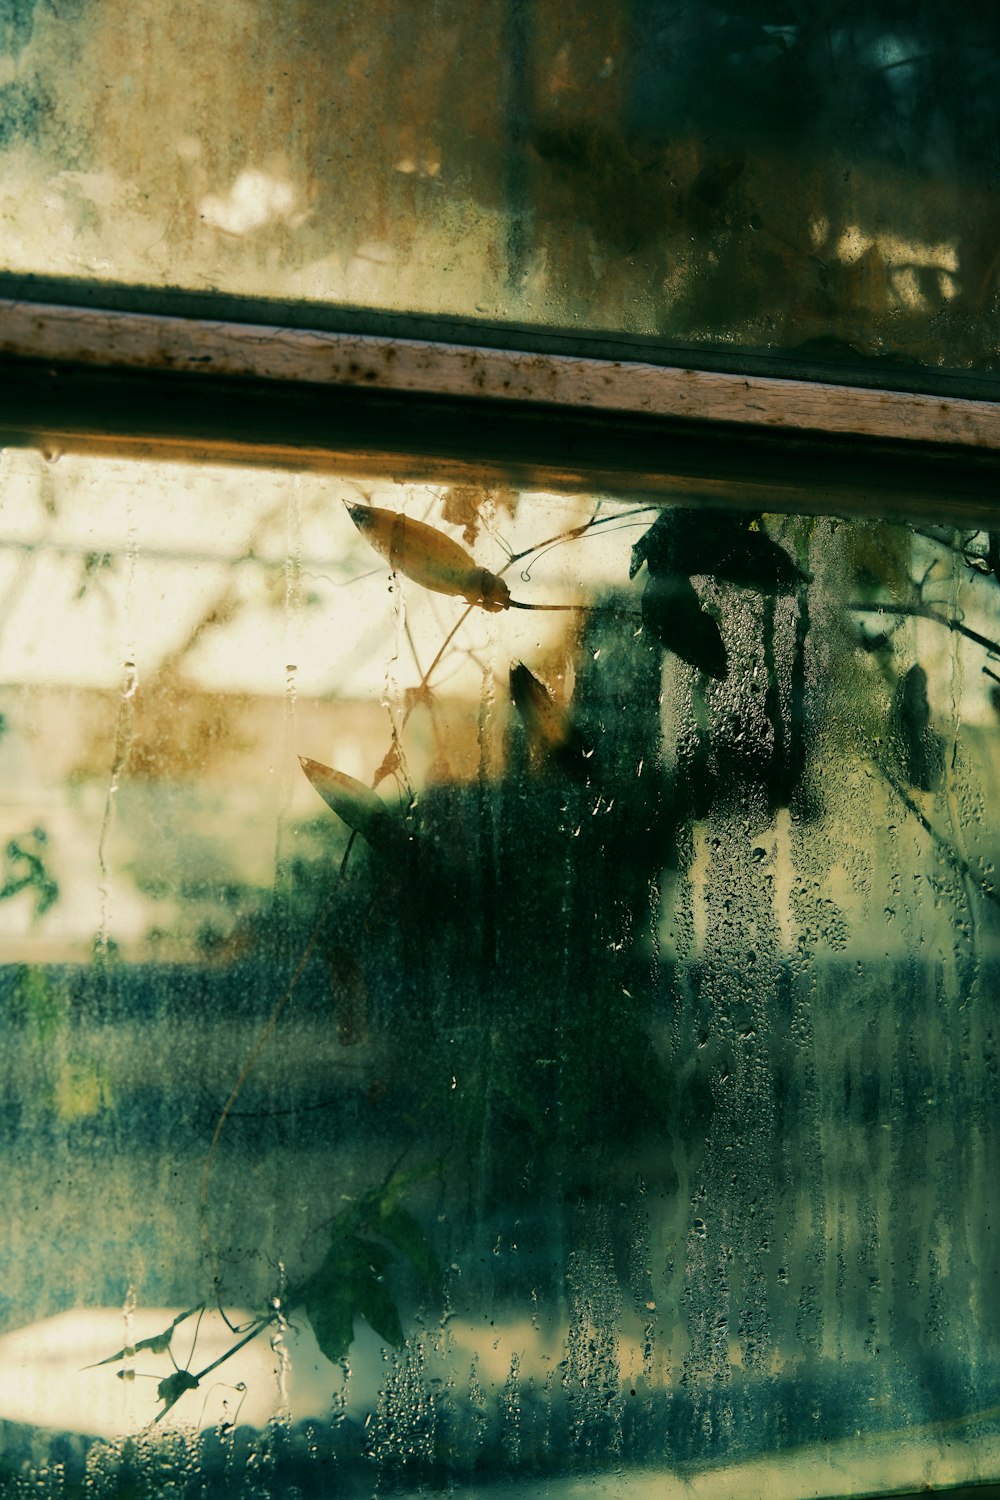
(529, 1015)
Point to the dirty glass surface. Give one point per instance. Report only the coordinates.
(767, 174)
(495, 988)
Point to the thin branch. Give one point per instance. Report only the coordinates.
(425, 680)
(576, 531)
(960, 865)
(518, 604)
(261, 1324)
(926, 612)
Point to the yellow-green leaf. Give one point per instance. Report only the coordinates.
(429, 557)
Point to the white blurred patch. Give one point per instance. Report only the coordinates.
(256, 198)
(44, 1380)
(895, 250)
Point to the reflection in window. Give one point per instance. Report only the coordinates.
(497, 986)
(780, 175)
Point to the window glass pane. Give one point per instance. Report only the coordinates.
(778, 175)
(581, 1062)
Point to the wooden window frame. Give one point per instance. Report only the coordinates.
(419, 399)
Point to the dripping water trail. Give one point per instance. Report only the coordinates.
(262, 1039)
(394, 763)
(293, 593)
(953, 770)
(128, 1317)
(516, 86)
(292, 602)
(279, 1348)
(491, 957)
(124, 730)
(123, 745)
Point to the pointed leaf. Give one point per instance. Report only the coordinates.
(404, 1233)
(350, 1281)
(158, 1344)
(330, 1310)
(429, 557)
(357, 804)
(672, 612)
(173, 1388)
(375, 1304)
(550, 729)
(715, 544)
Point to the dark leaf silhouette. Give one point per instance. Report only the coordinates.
(158, 1344)
(429, 557)
(348, 1282)
(404, 1233)
(357, 804)
(715, 544)
(992, 557)
(330, 1308)
(171, 1389)
(550, 729)
(920, 749)
(672, 612)
(376, 1306)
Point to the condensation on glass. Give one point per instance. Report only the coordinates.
(784, 175)
(521, 1015)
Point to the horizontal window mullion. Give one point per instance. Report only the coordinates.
(309, 426)
(148, 342)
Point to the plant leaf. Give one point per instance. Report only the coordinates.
(550, 729)
(672, 612)
(376, 1306)
(331, 1313)
(350, 1281)
(173, 1387)
(404, 1233)
(158, 1344)
(717, 545)
(429, 557)
(357, 804)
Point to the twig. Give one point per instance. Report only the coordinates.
(925, 612)
(518, 604)
(960, 865)
(261, 1324)
(576, 531)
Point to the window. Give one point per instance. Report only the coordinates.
(499, 881)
